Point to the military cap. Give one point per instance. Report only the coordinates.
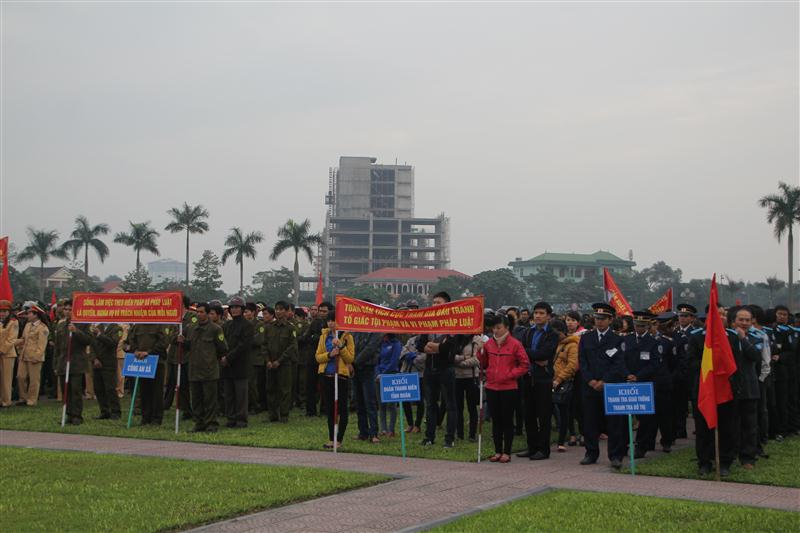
(687, 309)
(644, 316)
(666, 317)
(603, 309)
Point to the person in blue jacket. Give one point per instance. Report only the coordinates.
(388, 363)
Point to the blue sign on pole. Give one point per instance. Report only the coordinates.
(400, 388)
(140, 368)
(629, 399)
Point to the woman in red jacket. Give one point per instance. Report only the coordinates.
(504, 359)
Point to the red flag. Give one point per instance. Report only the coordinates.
(53, 307)
(663, 304)
(717, 364)
(614, 296)
(320, 291)
(5, 282)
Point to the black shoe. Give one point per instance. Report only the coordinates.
(76, 421)
(21, 403)
(102, 417)
(639, 453)
(667, 448)
(588, 460)
(186, 416)
(115, 417)
(616, 463)
(538, 456)
(197, 429)
(230, 424)
(473, 439)
(724, 470)
(426, 442)
(273, 419)
(211, 429)
(241, 425)
(284, 420)
(704, 470)
(449, 444)
(526, 453)
(763, 454)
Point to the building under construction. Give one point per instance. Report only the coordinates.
(370, 223)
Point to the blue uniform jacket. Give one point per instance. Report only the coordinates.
(602, 360)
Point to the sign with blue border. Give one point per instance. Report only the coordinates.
(399, 388)
(629, 399)
(140, 368)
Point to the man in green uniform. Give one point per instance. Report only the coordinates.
(280, 349)
(80, 338)
(145, 340)
(236, 366)
(104, 364)
(257, 381)
(303, 347)
(189, 320)
(205, 346)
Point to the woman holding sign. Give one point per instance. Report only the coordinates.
(505, 361)
(335, 352)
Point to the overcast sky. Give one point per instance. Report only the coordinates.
(571, 128)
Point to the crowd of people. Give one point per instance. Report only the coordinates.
(539, 370)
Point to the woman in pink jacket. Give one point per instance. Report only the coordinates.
(505, 361)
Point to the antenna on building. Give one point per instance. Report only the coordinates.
(630, 255)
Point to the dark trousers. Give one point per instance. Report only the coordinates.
(279, 392)
(74, 395)
(792, 396)
(680, 408)
(367, 410)
(726, 425)
(538, 417)
(765, 390)
(594, 418)
(502, 405)
(312, 383)
(105, 388)
(343, 408)
(300, 384)
(236, 396)
(183, 395)
(467, 388)
(438, 383)
(257, 389)
(48, 381)
(420, 405)
(779, 412)
(576, 406)
(562, 412)
(650, 425)
(747, 430)
(204, 404)
(522, 398)
(152, 391)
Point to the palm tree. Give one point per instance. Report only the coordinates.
(783, 211)
(41, 244)
(733, 286)
(85, 236)
(296, 237)
(140, 237)
(772, 284)
(241, 246)
(190, 219)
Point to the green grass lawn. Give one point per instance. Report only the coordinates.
(301, 433)
(566, 511)
(44, 490)
(780, 469)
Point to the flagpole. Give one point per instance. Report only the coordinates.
(716, 451)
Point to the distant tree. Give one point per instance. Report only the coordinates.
(296, 237)
(191, 219)
(783, 211)
(772, 284)
(544, 285)
(138, 280)
(86, 236)
(733, 288)
(112, 277)
(499, 287)
(365, 292)
(207, 279)
(636, 289)
(140, 237)
(455, 286)
(269, 286)
(23, 285)
(41, 245)
(240, 246)
(660, 277)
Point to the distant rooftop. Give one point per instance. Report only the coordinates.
(599, 257)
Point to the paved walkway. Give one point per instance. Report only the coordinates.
(426, 491)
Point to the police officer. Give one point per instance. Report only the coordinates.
(783, 364)
(257, 379)
(280, 349)
(205, 345)
(235, 364)
(80, 339)
(188, 321)
(601, 361)
(145, 340)
(104, 364)
(680, 375)
(303, 325)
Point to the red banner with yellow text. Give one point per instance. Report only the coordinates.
(459, 317)
(614, 296)
(128, 308)
(663, 304)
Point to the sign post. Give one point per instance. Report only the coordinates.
(138, 368)
(629, 399)
(400, 388)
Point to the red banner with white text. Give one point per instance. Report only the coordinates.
(127, 308)
(663, 304)
(614, 296)
(459, 317)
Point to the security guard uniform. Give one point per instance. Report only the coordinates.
(106, 339)
(75, 350)
(153, 339)
(280, 347)
(205, 345)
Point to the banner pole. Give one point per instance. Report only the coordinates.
(178, 383)
(133, 400)
(480, 413)
(65, 392)
(630, 445)
(716, 451)
(402, 429)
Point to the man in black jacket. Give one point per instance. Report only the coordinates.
(540, 342)
(368, 346)
(235, 365)
(310, 339)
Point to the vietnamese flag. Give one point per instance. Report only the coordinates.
(320, 291)
(5, 282)
(717, 364)
(614, 296)
(663, 304)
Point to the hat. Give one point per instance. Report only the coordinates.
(5, 305)
(488, 311)
(701, 316)
(687, 309)
(666, 317)
(603, 309)
(643, 317)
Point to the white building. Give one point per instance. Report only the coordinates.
(166, 270)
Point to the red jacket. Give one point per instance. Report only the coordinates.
(504, 364)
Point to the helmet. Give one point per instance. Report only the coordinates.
(236, 301)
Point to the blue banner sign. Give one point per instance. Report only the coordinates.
(629, 399)
(400, 388)
(140, 368)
